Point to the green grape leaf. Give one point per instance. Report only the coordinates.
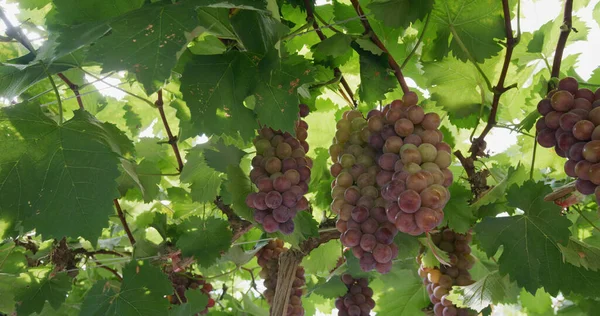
(12, 259)
(409, 296)
(491, 289)
(400, 13)
(216, 97)
(345, 13)
(333, 51)
(220, 156)
(538, 304)
(8, 285)
(581, 254)
(205, 181)
(42, 287)
(16, 78)
(531, 255)
(204, 239)
(450, 75)
(142, 293)
(216, 21)
(466, 27)
(375, 78)
(331, 288)
(276, 92)
(514, 175)
(147, 42)
(71, 172)
(260, 5)
(323, 259)
(32, 4)
(70, 38)
(239, 186)
(458, 214)
(72, 12)
(257, 31)
(305, 226)
(596, 13)
(196, 302)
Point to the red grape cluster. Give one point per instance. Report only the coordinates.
(268, 260)
(570, 123)
(361, 210)
(358, 301)
(439, 282)
(281, 171)
(184, 281)
(414, 163)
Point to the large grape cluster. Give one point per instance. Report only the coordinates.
(281, 171)
(184, 281)
(358, 301)
(356, 200)
(439, 282)
(268, 260)
(414, 163)
(570, 123)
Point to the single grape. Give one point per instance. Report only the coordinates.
(576, 151)
(570, 168)
(351, 237)
(360, 214)
(582, 169)
(393, 144)
(387, 161)
(368, 242)
(382, 253)
(426, 219)
(409, 201)
(568, 83)
(552, 119)
(544, 106)
(583, 103)
(403, 127)
(591, 151)
(546, 138)
(568, 120)
(582, 130)
(405, 222)
(431, 121)
(270, 224)
(413, 139)
(562, 101)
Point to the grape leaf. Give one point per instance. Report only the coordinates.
(375, 78)
(476, 25)
(204, 239)
(32, 4)
(323, 259)
(230, 4)
(142, 293)
(239, 186)
(147, 42)
(538, 304)
(400, 13)
(16, 78)
(333, 51)
(196, 302)
(205, 181)
(514, 175)
(331, 288)
(69, 38)
(531, 255)
(52, 288)
(216, 21)
(345, 13)
(55, 174)
(305, 226)
(12, 259)
(220, 156)
(276, 92)
(581, 254)
(451, 75)
(408, 296)
(257, 31)
(596, 13)
(458, 214)
(216, 97)
(491, 289)
(72, 12)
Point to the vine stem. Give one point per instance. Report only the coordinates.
(533, 156)
(587, 219)
(375, 39)
(73, 87)
(172, 139)
(113, 271)
(124, 222)
(562, 40)
(55, 88)
(310, 16)
(239, 226)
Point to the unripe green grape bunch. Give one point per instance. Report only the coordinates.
(439, 281)
(281, 172)
(413, 161)
(362, 220)
(570, 124)
(358, 300)
(268, 260)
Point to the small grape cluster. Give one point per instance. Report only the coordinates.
(281, 171)
(570, 123)
(268, 260)
(187, 280)
(358, 301)
(361, 212)
(439, 282)
(414, 163)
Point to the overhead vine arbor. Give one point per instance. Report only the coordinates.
(281, 157)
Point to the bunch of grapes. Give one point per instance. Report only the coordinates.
(281, 171)
(361, 212)
(569, 123)
(184, 281)
(414, 163)
(358, 300)
(439, 282)
(268, 260)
